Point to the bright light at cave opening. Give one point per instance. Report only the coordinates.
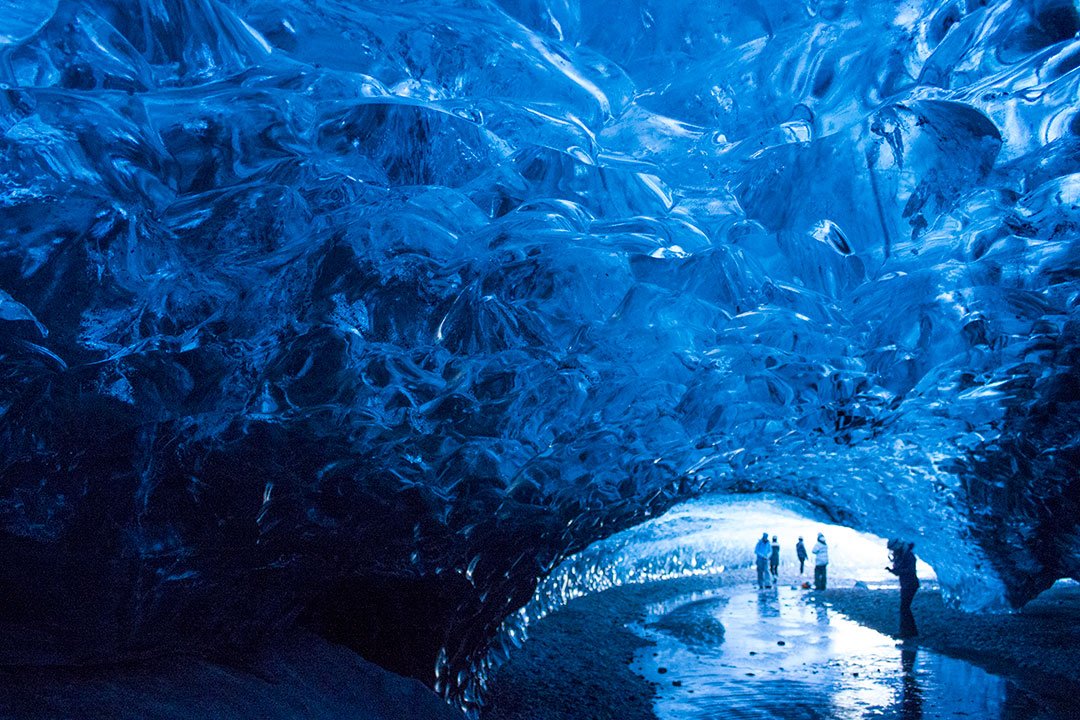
(732, 525)
(715, 535)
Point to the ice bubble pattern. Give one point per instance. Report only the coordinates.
(365, 315)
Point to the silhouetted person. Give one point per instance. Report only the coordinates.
(821, 561)
(800, 552)
(762, 551)
(903, 566)
(774, 560)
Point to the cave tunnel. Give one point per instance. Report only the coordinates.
(352, 332)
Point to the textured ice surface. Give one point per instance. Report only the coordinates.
(367, 314)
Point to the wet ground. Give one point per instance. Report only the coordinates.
(782, 653)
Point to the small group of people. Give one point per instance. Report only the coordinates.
(901, 554)
(767, 555)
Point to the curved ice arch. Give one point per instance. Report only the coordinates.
(408, 301)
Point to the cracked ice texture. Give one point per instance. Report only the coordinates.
(365, 315)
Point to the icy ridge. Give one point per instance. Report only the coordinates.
(305, 300)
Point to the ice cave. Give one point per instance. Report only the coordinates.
(381, 328)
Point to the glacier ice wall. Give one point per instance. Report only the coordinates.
(364, 315)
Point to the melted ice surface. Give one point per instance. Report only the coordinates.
(782, 654)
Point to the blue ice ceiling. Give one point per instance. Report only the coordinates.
(364, 315)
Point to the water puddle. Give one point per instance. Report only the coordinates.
(781, 654)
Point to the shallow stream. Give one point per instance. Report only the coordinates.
(782, 654)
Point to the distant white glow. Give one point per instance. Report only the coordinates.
(731, 525)
(709, 536)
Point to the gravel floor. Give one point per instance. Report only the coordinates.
(1040, 645)
(575, 665)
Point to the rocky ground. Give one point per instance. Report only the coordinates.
(1039, 645)
(302, 676)
(575, 665)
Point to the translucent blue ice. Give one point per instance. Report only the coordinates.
(428, 295)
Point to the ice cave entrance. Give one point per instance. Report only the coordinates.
(716, 535)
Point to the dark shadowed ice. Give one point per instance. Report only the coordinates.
(364, 315)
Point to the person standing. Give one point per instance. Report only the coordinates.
(821, 561)
(903, 566)
(800, 552)
(774, 561)
(762, 551)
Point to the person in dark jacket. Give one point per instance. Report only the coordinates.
(800, 552)
(774, 560)
(903, 566)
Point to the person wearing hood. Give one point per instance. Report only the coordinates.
(903, 566)
(821, 561)
(762, 552)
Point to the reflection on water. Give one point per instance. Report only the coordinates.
(910, 692)
(780, 653)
